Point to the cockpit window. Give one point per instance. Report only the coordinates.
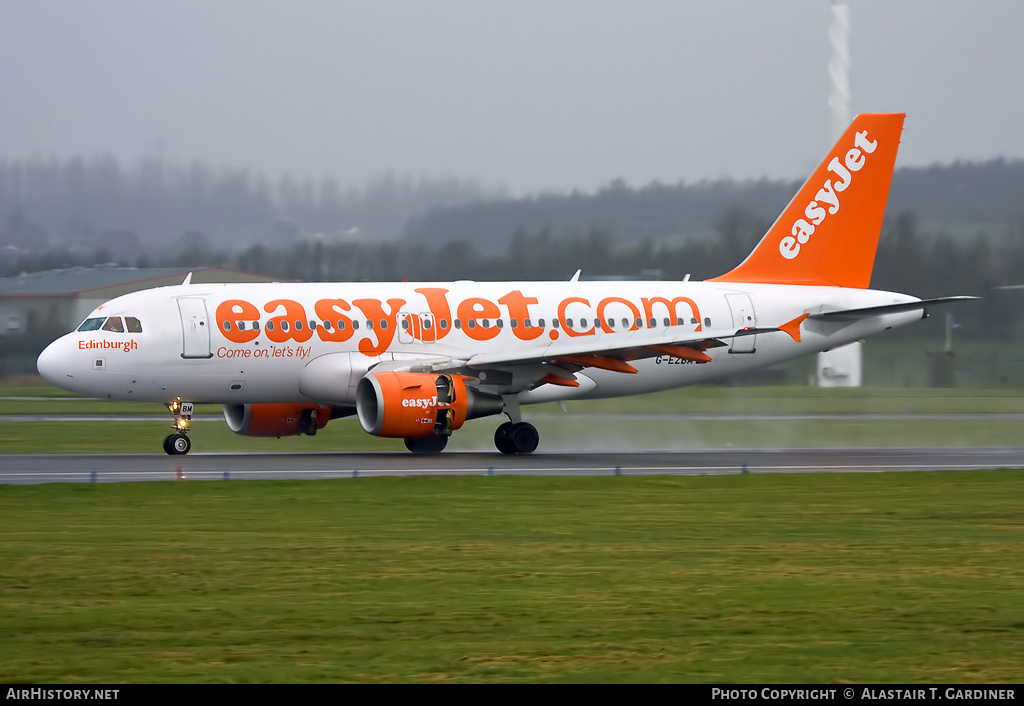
(133, 324)
(114, 324)
(92, 324)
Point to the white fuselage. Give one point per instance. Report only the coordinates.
(315, 341)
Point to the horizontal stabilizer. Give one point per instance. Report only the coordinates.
(868, 312)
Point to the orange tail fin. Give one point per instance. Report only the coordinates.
(828, 233)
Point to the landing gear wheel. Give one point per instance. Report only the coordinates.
(432, 444)
(177, 445)
(501, 440)
(518, 438)
(524, 437)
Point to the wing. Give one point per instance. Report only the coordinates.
(557, 362)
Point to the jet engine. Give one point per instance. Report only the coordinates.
(419, 404)
(276, 419)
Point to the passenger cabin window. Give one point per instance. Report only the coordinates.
(114, 324)
(91, 324)
(133, 324)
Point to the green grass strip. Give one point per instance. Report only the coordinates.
(896, 577)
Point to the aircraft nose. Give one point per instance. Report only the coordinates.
(54, 364)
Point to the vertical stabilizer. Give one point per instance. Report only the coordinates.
(828, 234)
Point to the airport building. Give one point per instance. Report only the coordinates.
(41, 306)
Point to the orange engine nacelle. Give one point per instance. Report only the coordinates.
(276, 419)
(419, 404)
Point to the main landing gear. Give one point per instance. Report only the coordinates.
(516, 438)
(513, 437)
(178, 443)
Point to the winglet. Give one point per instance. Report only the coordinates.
(828, 234)
(793, 327)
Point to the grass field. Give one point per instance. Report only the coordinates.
(898, 577)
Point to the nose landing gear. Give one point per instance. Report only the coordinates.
(178, 443)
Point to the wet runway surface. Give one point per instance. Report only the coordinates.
(84, 468)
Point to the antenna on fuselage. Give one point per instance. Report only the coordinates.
(188, 279)
(576, 277)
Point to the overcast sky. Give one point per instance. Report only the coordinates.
(534, 95)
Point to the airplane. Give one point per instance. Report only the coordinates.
(416, 360)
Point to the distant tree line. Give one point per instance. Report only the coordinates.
(955, 199)
(157, 206)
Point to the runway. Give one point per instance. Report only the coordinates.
(106, 468)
